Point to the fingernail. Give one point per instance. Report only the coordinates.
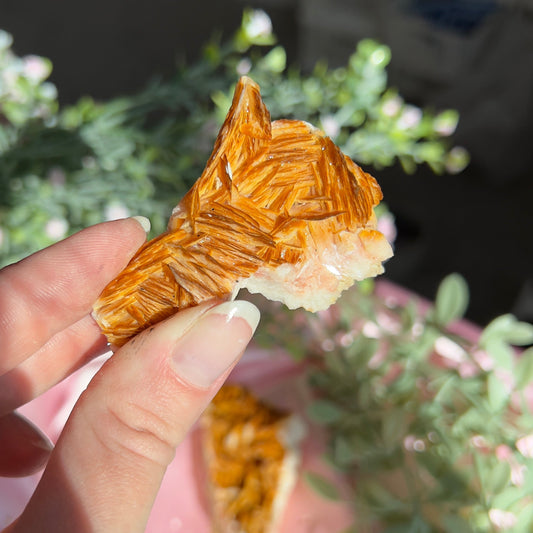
(144, 222)
(214, 342)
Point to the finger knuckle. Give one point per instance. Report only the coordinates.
(137, 433)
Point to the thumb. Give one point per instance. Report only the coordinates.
(108, 464)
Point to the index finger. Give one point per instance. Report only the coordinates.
(55, 287)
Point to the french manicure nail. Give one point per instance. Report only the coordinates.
(144, 222)
(214, 342)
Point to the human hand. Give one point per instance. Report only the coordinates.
(106, 468)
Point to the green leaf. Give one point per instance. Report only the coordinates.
(446, 390)
(393, 426)
(524, 369)
(456, 523)
(497, 392)
(524, 520)
(521, 334)
(509, 497)
(409, 315)
(499, 477)
(343, 451)
(451, 300)
(378, 496)
(221, 100)
(322, 486)
(470, 420)
(509, 329)
(501, 352)
(479, 464)
(324, 412)
(275, 60)
(360, 352)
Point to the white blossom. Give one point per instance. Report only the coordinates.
(410, 117)
(502, 519)
(35, 68)
(243, 66)
(258, 25)
(387, 226)
(412, 444)
(56, 228)
(331, 126)
(445, 125)
(328, 345)
(115, 211)
(392, 106)
(525, 445)
(450, 349)
(371, 330)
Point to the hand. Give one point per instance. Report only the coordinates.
(106, 468)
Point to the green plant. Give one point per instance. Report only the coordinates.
(433, 430)
(62, 169)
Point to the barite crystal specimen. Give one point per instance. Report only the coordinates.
(279, 210)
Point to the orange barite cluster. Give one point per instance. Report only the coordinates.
(272, 194)
(246, 461)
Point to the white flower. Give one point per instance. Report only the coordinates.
(525, 445)
(410, 118)
(48, 91)
(328, 345)
(115, 211)
(388, 323)
(457, 159)
(479, 441)
(258, 25)
(391, 106)
(243, 66)
(502, 519)
(56, 228)
(331, 126)
(412, 444)
(35, 68)
(417, 329)
(483, 359)
(346, 339)
(450, 349)
(445, 124)
(518, 473)
(387, 226)
(371, 330)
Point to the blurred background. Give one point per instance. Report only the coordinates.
(475, 56)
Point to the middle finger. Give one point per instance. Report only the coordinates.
(64, 353)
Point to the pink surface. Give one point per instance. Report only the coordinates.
(179, 506)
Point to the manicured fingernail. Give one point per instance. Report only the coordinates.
(214, 342)
(144, 222)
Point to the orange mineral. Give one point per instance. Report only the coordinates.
(278, 210)
(252, 455)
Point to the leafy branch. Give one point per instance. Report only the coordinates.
(433, 430)
(62, 169)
